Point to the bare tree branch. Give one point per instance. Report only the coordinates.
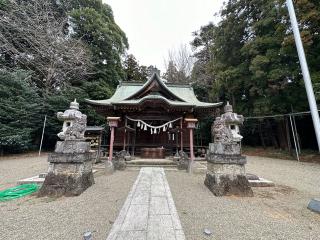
(34, 36)
(179, 64)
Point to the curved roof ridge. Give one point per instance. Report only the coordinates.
(160, 81)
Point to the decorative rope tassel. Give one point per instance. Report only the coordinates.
(164, 128)
(170, 125)
(138, 124)
(145, 127)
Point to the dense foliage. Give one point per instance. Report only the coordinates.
(94, 24)
(250, 58)
(134, 71)
(19, 110)
(50, 53)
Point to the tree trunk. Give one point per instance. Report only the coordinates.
(272, 136)
(261, 135)
(281, 134)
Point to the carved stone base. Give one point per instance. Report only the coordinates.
(119, 165)
(119, 161)
(65, 185)
(226, 176)
(66, 179)
(226, 185)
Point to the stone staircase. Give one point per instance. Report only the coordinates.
(139, 163)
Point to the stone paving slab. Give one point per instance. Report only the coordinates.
(149, 212)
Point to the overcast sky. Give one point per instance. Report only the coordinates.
(155, 26)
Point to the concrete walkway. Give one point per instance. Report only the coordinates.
(149, 211)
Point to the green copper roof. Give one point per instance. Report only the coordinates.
(127, 92)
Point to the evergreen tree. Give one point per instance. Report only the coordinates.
(93, 23)
(251, 59)
(172, 73)
(74, 51)
(20, 111)
(133, 71)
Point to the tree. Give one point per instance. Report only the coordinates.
(20, 109)
(171, 73)
(93, 23)
(179, 65)
(251, 58)
(67, 49)
(134, 72)
(35, 37)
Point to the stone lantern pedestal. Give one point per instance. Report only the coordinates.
(70, 166)
(226, 173)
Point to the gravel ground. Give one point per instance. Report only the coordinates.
(64, 218)
(302, 176)
(273, 213)
(21, 166)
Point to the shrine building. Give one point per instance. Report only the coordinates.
(154, 119)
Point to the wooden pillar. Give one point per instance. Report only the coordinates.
(129, 142)
(113, 123)
(111, 143)
(124, 138)
(125, 134)
(134, 138)
(191, 144)
(191, 124)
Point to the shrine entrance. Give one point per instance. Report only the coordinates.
(155, 139)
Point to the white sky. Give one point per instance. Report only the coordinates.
(153, 27)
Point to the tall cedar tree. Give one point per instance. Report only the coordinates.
(251, 58)
(133, 71)
(20, 107)
(93, 23)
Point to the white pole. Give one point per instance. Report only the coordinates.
(305, 71)
(44, 125)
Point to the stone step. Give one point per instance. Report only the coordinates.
(150, 165)
(137, 168)
(151, 162)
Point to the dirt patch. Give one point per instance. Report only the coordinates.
(305, 156)
(274, 192)
(284, 190)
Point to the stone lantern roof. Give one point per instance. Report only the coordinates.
(229, 117)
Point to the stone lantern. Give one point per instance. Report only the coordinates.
(74, 122)
(70, 165)
(225, 165)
